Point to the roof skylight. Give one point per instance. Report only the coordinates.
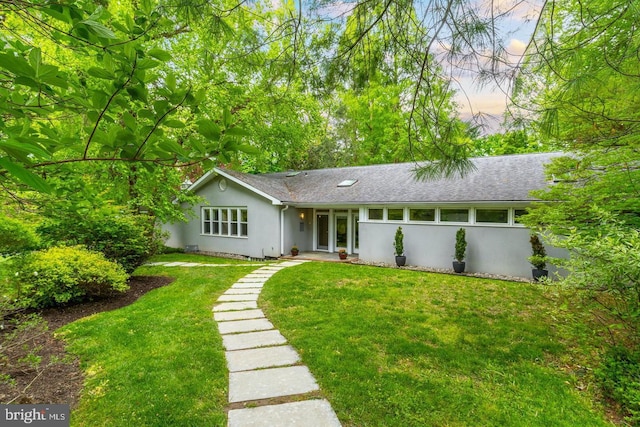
(347, 183)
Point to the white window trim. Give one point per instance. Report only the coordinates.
(438, 218)
(467, 222)
(229, 222)
(493, 224)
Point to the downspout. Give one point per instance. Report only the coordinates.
(282, 229)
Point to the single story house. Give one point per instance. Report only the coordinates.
(359, 209)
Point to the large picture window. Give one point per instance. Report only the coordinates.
(225, 222)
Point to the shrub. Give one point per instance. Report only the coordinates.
(398, 242)
(16, 237)
(538, 256)
(61, 275)
(619, 376)
(461, 245)
(126, 239)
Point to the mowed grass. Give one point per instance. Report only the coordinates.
(393, 347)
(159, 361)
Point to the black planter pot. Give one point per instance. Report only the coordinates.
(401, 260)
(458, 267)
(539, 273)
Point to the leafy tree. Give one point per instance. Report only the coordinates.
(510, 142)
(122, 237)
(582, 79)
(16, 236)
(95, 84)
(393, 101)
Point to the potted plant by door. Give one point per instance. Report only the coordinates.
(342, 253)
(460, 249)
(294, 250)
(398, 244)
(538, 258)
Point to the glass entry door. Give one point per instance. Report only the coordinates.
(355, 238)
(341, 229)
(322, 226)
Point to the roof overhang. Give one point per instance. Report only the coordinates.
(219, 172)
(472, 203)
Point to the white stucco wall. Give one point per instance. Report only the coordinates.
(298, 231)
(494, 250)
(263, 223)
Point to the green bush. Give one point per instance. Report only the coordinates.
(461, 245)
(62, 275)
(619, 376)
(16, 236)
(126, 239)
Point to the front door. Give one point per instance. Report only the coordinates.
(322, 233)
(341, 230)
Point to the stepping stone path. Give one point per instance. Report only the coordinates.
(262, 367)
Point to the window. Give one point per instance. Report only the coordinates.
(395, 214)
(517, 213)
(424, 215)
(454, 215)
(244, 223)
(225, 222)
(375, 214)
(494, 216)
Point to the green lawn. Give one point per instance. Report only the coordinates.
(159, 361)
(389, 347)
(400, 348)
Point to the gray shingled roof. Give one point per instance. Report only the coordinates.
(495, 179)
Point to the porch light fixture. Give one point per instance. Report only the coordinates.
(301, 215)
(347, 183)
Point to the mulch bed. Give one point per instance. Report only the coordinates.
(58, 379)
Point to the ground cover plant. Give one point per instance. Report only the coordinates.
(402, 348)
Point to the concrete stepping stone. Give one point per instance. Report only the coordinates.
(253, 280)
(309, 413)
(223, 316)
(271, 269)
(237, 326)
(236, 297)
(273, 382)
(238, 305)
(253, 340)
(259, 358)
(241, 285)
(241, 291)
(292, 263)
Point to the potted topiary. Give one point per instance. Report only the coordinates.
(398, 244)
(461, 248)
(538, 258)
(294, 250)
(342, 253)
